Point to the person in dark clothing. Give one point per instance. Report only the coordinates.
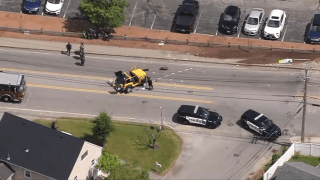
(69, 47)
(150, 83)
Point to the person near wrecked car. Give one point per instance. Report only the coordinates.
(69, 47)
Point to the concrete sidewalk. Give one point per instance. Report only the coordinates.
(133, 52)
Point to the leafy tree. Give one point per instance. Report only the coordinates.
(109, 162)
(102, 126)
(105, 13)
(130, 171)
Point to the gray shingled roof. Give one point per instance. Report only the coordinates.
(51, 153)
(296, 170)
(5, 171)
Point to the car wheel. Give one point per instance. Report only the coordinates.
(129, 89)
(6, 99)
(185, 122)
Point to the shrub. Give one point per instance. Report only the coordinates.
(296, 155)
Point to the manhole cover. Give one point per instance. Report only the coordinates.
(236, 155)
(230, 124)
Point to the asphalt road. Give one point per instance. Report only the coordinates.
(57, 86)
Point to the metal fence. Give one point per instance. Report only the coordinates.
(165, 41)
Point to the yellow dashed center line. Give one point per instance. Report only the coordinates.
(101, 78)
(184, 86)
(107, 92)
(312, 97)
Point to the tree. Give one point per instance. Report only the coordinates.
(150, 142)
(104, 13)
(102, 126)
(109, 162)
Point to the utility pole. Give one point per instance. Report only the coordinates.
(304, 105)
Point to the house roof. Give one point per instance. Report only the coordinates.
(51, 153)
(5, 171)
(296, 170)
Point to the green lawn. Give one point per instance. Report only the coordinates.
(313, 161)
(123, 142)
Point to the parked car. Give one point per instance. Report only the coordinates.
(185, 16)
(230, 20)
(188, 114)
(260, 124)
(313, 34)
(54, 6)
(31, 6)
(275, 24)
(253, 22)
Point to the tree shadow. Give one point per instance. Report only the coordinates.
(90, 138)
(77, 24)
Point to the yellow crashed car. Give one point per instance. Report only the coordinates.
(126, 81)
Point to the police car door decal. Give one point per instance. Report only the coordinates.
(196, 120)
(253, 127)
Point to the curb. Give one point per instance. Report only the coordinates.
(182, 60)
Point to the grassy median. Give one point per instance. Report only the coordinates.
(124, 142)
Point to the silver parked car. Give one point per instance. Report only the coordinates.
(254, 21)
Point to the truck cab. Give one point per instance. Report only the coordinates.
(12, 87)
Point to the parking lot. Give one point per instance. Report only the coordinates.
(159, 14)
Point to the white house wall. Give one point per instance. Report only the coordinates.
(81, 169)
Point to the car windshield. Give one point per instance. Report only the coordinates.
(315, 28)
(203, 112)
(265, 122)
(32, 0)
(54, 1)
(22, 86)
(186, 14)
(227, 17)
(273, 23)
(252, 21)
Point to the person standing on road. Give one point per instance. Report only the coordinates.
(149, 83)
(82, 46)
(69, 47)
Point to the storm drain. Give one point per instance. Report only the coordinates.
(236, 155)
(230, 124)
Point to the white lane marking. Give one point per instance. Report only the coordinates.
(217, 32)
(186, 69)
(191, 68)
(24, 51)
(153, 20)
(45, 111)
(66, 10)
(20, 11)
(81, 115)
(195, 30)
(42, 13)
(134, 10)
(179, 71)
(172, 73)
(286, 30)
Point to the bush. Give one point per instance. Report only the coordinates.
(284, 149)
(296, 155)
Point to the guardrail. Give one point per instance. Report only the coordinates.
(154, 40)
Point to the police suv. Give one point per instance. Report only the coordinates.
(198, 115)
(260, 124)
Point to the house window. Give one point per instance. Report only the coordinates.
(92, 162)
(76, 178)
(84, 155)
(27, 174)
